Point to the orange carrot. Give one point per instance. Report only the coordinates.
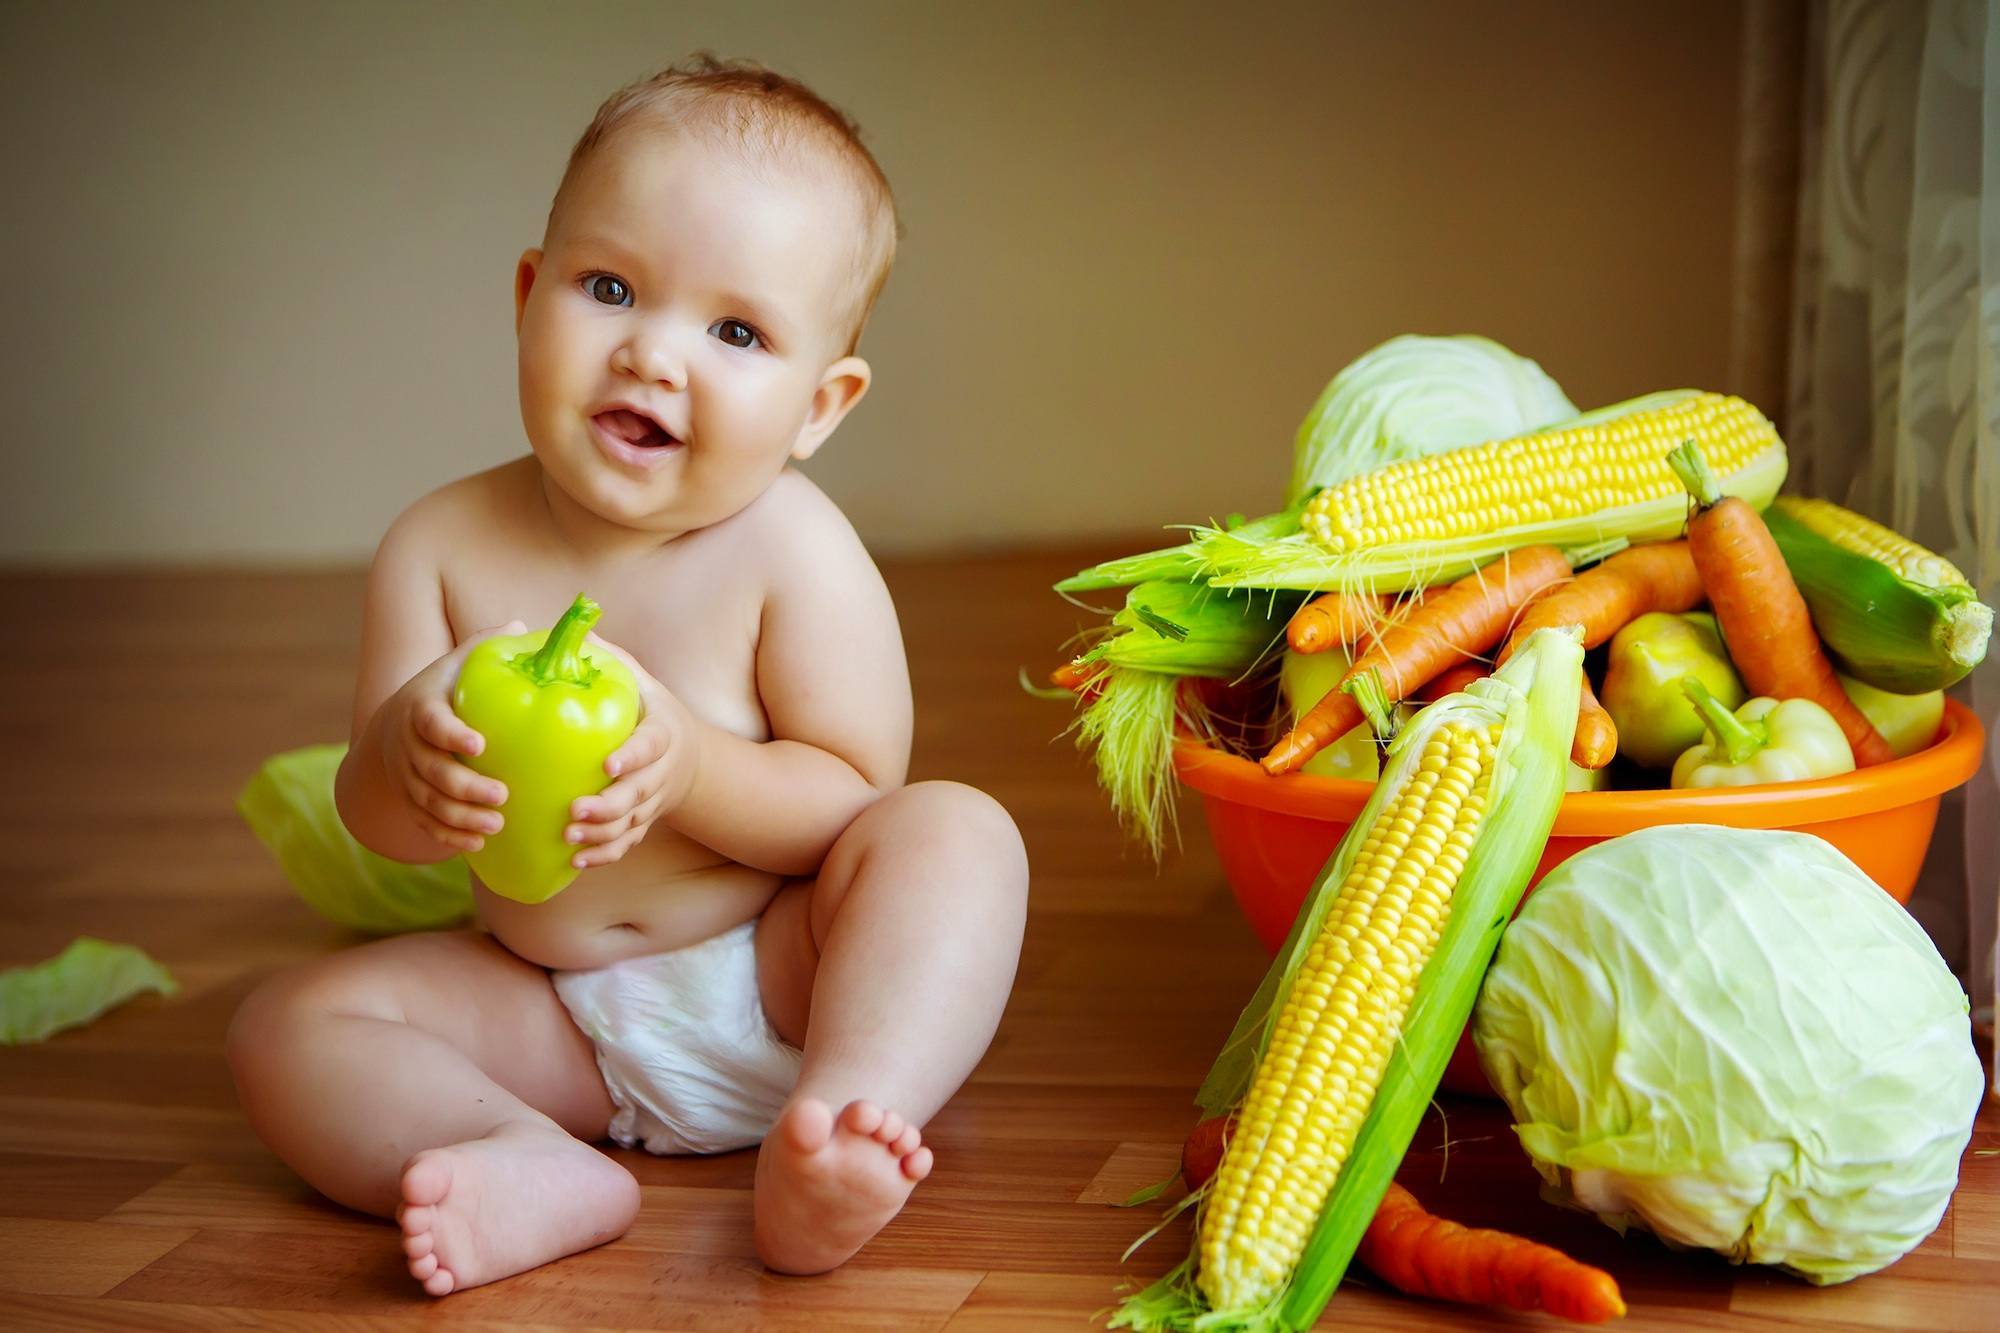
(1425, 1255)
(1079, 678)
(1606, 597)
(1764, 619)
(1596, 739)
(1463, 621)
(1454, 679)
(1335, 619)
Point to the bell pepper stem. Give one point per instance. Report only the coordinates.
(560, 658)
(1739, 740)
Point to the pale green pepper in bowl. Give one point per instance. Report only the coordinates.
(1909, 722)
(1648, 658)
(1764, 741)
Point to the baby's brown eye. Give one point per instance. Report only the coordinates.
(611, 291)
(734, 332)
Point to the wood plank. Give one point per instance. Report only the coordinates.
(1133, 1167)
(70, 1314)
(51, 1258)
(72, 1189)
(624, 1284)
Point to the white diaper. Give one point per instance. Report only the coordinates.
(689, 1058)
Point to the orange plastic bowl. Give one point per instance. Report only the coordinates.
(1274, 834)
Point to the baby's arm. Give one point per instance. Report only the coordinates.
(400, 791)
(835, 688)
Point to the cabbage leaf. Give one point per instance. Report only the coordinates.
(79, 985)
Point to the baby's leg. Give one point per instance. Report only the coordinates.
(890, 970)
(437, 1078)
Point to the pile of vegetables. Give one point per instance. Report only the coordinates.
(1416, 551)
(1418, 617)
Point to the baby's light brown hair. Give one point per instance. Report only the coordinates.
(771, 117)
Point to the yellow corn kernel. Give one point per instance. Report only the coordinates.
(1864, 536)
(1338, 1024)
(1560, 474)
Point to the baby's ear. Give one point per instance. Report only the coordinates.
(840, 388)
(524, 282)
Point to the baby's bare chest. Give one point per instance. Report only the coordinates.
(692, 624)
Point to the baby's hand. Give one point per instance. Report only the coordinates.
(420, 736)
(652, 772)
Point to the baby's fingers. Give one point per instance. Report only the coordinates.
(455, 779)
(445, 833)
(433, 721)
(458, 816)
(445, 819)
(645, 746)
(617, 801)
(610, 851)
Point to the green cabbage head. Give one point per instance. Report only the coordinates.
(1734, 1038)
(1414, 396)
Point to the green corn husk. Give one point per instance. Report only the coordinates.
(1295, 560)
(1534, 698)
(1165, 634)
(1186, 629)
(1181, 563)
(1881, 628)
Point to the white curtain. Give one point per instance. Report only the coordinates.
(1894, 377)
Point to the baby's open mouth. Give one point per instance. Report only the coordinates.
(635, 429)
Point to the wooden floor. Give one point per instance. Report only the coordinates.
(132, 1194)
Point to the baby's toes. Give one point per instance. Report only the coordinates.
(862, 1117)
(890, 1129)
(906, 1142)
(422, 1266)
(419, 1244)
(917, 1165)
(807, 1126)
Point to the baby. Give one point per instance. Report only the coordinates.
(776, 940)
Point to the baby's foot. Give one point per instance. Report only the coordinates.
(825, 1186)
(489, 1208)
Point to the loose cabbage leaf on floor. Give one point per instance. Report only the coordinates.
(79, 985)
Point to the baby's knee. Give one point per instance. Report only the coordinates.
(274, 1018)
(959, 824)
(261, 1028)
(269, 1019)
(957, 815)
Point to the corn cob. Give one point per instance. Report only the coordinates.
(1597, 477)
(1335, 1031)
(1891, 614)
(1331, 1065)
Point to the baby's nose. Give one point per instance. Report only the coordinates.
(652, 357)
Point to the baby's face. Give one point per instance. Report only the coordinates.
(681, 336)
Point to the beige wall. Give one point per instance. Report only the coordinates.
(259, 254)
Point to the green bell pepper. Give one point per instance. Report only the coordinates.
(551, 710)
(1763, 741)
(1648, 658)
